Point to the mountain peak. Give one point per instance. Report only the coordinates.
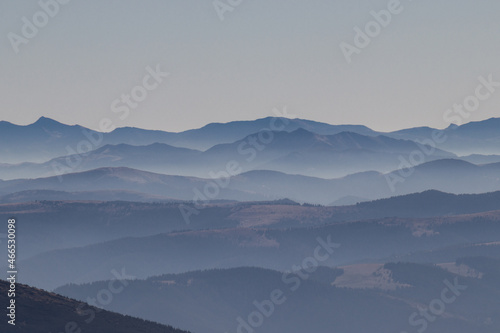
(452, 127)
(44, 121)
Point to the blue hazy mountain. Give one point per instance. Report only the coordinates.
(297, 152)
(447, 175)
(47, 139)
(157, 157)
(125, 194)
(217, 133)
(38, 141)
(479, 137)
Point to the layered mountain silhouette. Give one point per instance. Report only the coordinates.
(297, 152)
(51, 225)
(209, 223)
(47, 139)
(447, 175)
(479, 137)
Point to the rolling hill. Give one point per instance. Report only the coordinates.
(50, 225)
(447, 175)
(220, 300)
(177, 252)
(38, 311)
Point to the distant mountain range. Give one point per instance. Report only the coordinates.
(297, 152)
(47, 139)
(206, 221)
(478, 137)
(447, 175)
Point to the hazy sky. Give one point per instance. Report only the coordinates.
(264, 54)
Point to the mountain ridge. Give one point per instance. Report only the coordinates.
(30, 143)
(262, 185)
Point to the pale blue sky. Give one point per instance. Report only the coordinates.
(265, 54)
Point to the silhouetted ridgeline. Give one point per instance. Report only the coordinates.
(38, 311)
